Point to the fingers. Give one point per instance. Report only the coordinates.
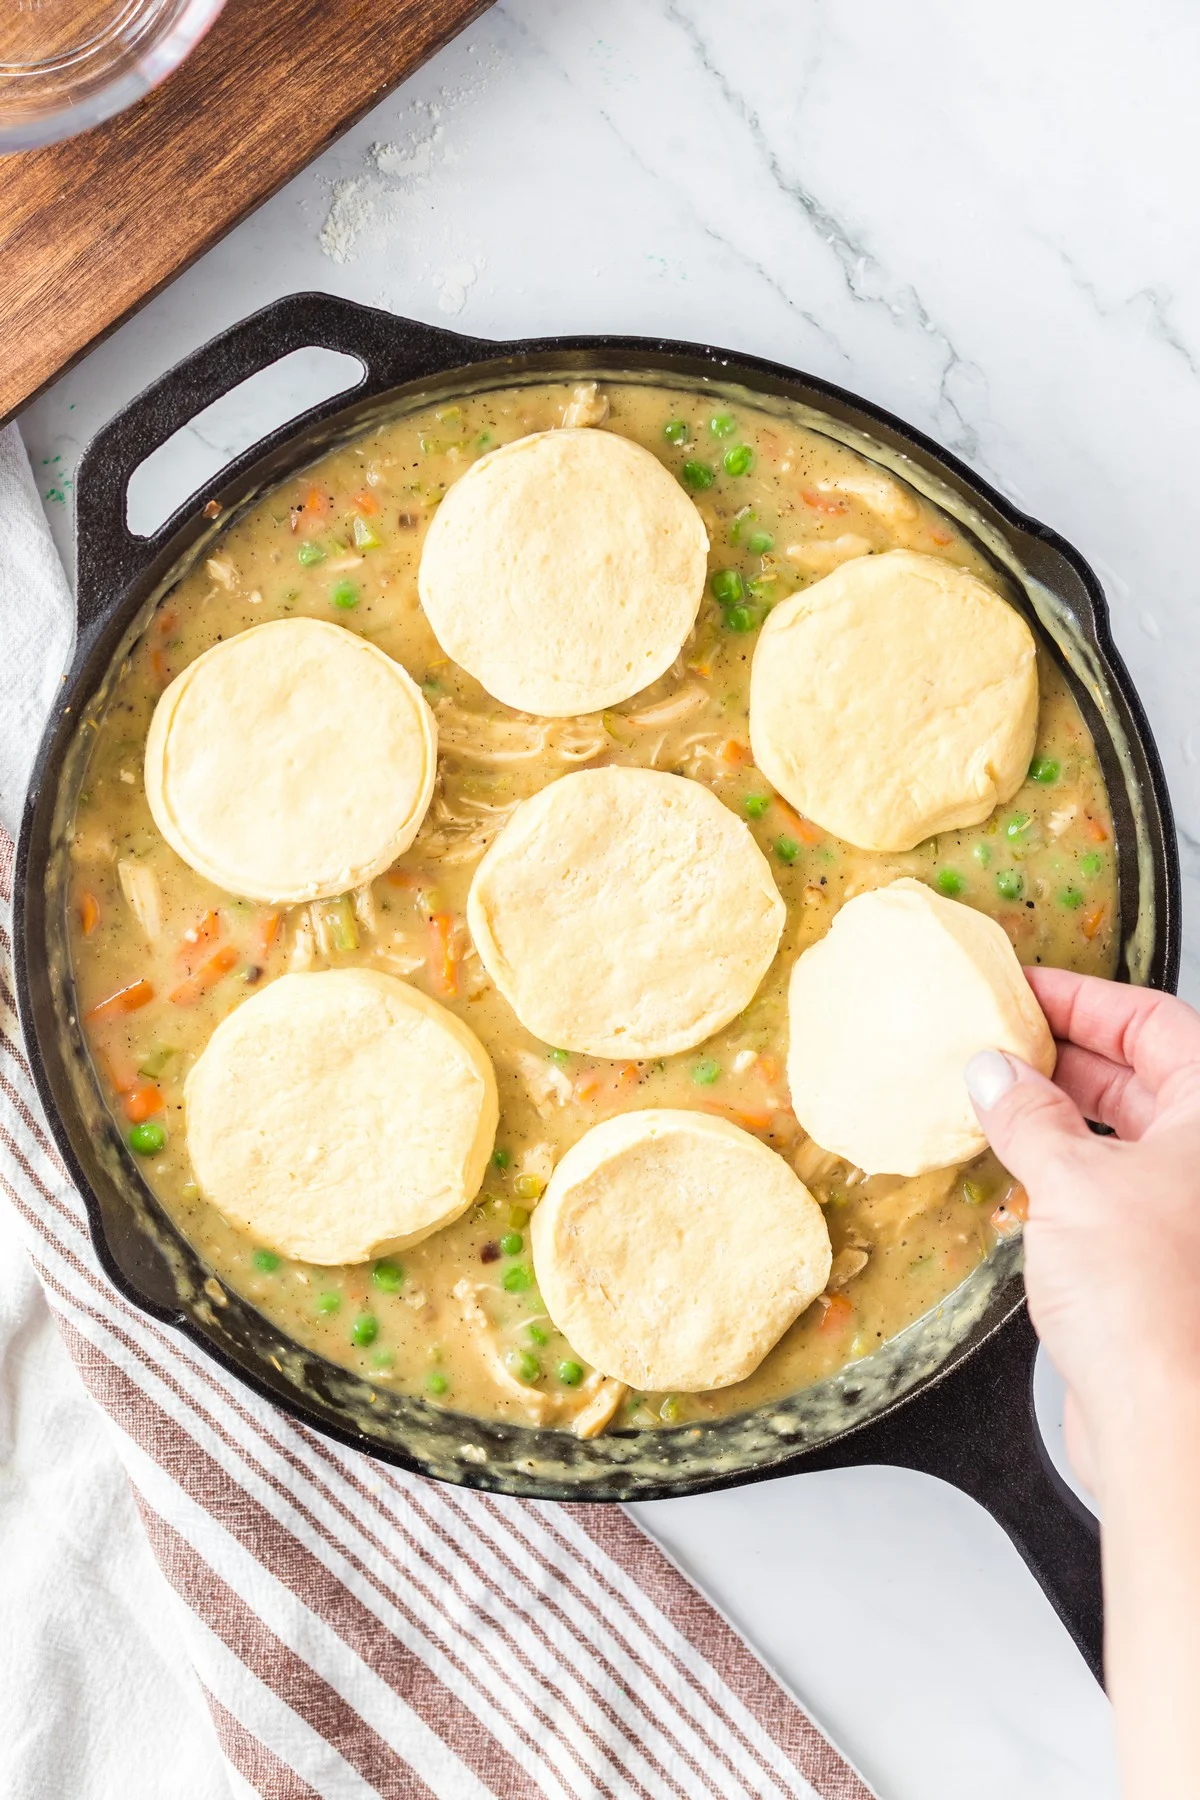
(1134, 1027)
(1028, 1121)
(1104, 1091)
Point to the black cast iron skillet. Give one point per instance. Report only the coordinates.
(951, 1396)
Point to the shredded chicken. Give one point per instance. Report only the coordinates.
(538, 1160)
(141, 890)
(539, 1406)
(363, 899)
(303, 952)
(1059, 820)
(846, 1265)
(700, 755)
(819, 556)
(811, 1163)
(492, 740)
(402, 954)
(222, 571)
(604, 1399)
(877, 492)
(545, 1082)
(667, 712)
(586, 406)
(92, 846)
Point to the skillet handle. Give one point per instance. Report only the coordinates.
(976, 1429)
(392, 351)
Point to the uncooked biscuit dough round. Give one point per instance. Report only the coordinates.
(339, 1115)
(885, 1012)
(673, 1250)
(564, 571)
(624, 912)
(894, 699)
(291, 762)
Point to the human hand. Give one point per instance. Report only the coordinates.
(1112, 1244)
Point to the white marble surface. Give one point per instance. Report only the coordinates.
(982, 219)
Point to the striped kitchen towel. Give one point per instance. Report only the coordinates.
(360, 1631)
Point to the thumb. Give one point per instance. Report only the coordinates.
(1028, 1121)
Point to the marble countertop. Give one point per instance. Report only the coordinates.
(981, 221)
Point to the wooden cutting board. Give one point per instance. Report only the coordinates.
(91, 228)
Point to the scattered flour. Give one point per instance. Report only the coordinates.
(455, 282)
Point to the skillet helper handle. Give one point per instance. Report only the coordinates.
(392, 351)
(976, 1429)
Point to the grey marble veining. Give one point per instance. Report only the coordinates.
(982, 219)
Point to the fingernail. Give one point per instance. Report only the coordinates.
(988, 1076)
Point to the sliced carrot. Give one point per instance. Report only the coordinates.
(89, 913)
(118, 1067)
(143, 1101)
(804, 829)
(939, 537)
(627, 1076)
(205, 977)
(316, 503)
(735, 752)
(197, 938)
(266, 931)
(158, 663)
(364, 501)
(1092, 922)
(402, 878)
(768, 1067)
(587, 1087)
(1096, 830)
(750, 1119)
(125, 1000)
(823, 503)
(443, 961)
(1012, 1211)
(837, 1315)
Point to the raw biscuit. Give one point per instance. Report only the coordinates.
(339, 1115)
(885, 1012)
(673, 1250)
(291, 762)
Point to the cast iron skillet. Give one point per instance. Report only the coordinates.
(952, 1396)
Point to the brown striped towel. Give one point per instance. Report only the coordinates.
(359, 1631)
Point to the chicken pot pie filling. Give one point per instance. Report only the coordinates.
(164, 959)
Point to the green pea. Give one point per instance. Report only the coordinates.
(570, 1373)
(147, 1139)
(512, 1243)
(974, 1193)
(436, 1383)
(950, 882)
(388, 1276)
(329, 1303)
(1091, 864)
(982, 854)
(501, 1159)
(755, 805)
(1044, 769)
(517, 1280)
(727, 586)
(557, 1056)
(483, 440)
(1017, 825)
(1009, 884)
(344, 595)
(787, 849)
(675, 430)
(1070, 897)
(383, 1359)
(524, 1365)
(536, 1334)
(308, 554)
(364, 1330)
(706, 1071)
(266, 1260)
(738, 618)
(739, 460)
(722, 424)
(759, 542)
(697, 476)
(518, 1217)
